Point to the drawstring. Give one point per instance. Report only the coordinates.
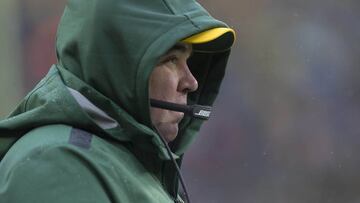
(177, 169)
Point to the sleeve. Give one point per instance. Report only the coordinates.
(57, 175)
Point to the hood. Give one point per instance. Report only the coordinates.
(106, 51)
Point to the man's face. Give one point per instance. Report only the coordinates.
(171, 81)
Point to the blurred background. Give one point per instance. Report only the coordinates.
(285, 128)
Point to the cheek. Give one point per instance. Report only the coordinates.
(158, 115)
(163, 85)
(167, 90)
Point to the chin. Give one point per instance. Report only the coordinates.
(170, 138)
(168, 132)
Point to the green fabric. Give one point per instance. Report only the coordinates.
(106, 51)
(61, 172)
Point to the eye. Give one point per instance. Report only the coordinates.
(172, 59)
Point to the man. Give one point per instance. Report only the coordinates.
(87, 132)
(171, 80)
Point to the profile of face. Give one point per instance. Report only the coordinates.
(171, 81)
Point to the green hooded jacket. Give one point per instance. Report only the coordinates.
(84, 133)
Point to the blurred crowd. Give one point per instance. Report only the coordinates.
(285, 127)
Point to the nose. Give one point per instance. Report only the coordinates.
(188, 82)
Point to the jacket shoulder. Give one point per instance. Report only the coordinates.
(49, 164)
(40, 141)
(71, 165)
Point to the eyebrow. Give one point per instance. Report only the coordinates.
(179, 47)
